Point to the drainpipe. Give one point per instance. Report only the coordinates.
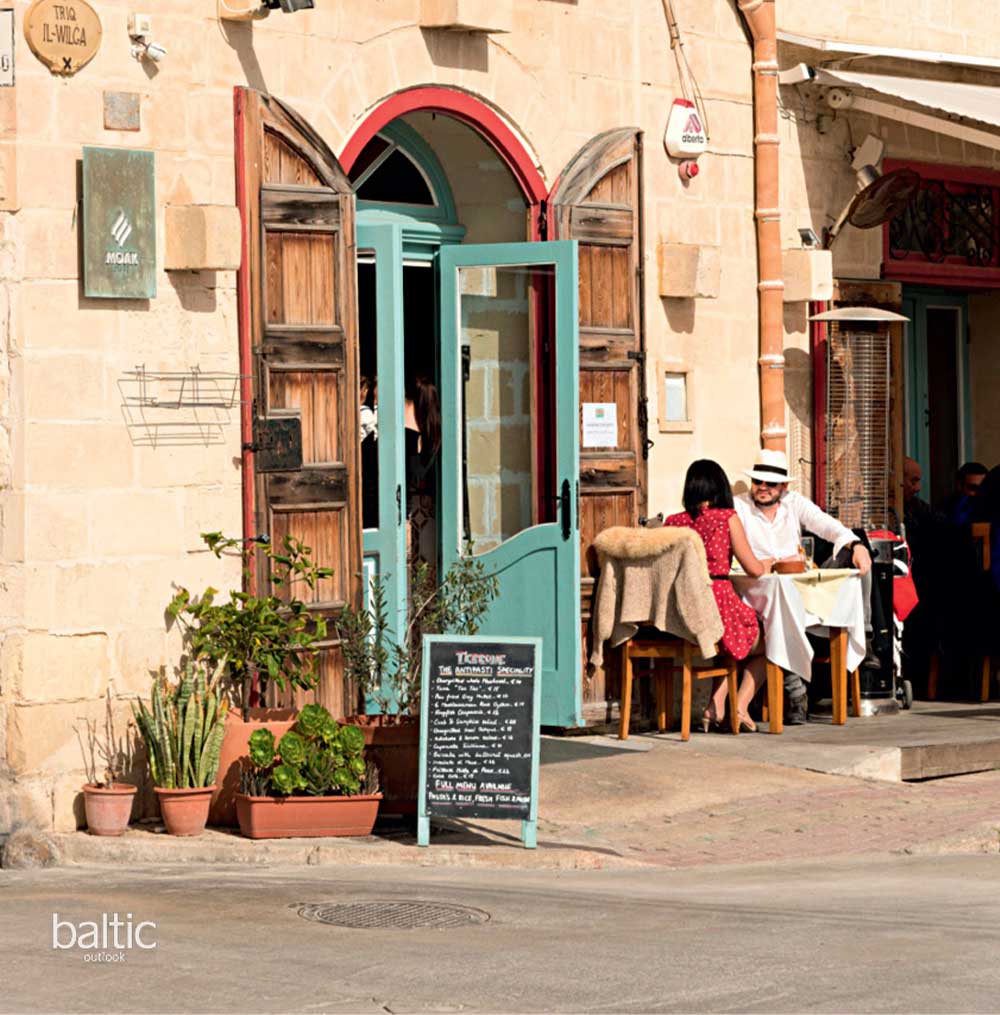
(760, 18)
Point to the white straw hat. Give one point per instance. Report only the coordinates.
(771, 467)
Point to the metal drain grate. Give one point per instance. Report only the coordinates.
(397, 915)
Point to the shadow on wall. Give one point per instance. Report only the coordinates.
(196, 290)
(461, 50)
(680, 314)
(239, 38)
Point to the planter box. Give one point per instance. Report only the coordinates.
(236, 747)
(395, 748)
(264, 817)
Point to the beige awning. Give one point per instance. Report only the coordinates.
(980, 103)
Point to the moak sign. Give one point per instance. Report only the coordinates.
(64, 35)
(686, 137)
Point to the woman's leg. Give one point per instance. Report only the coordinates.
(754, 675)
(720, 696)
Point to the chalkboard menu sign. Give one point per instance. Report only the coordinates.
(479, 730)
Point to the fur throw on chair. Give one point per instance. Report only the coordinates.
(657, 577)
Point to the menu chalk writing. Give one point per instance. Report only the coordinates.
(481, 727)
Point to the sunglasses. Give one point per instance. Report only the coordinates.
(764, 482)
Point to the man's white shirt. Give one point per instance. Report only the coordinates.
(779, 537)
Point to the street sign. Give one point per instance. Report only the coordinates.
(119, 224)
(6, 48)
(64, 34)
(479, 731)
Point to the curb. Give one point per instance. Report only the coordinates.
(146, 849)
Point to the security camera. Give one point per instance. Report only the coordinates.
(155, 52)
(290, 6)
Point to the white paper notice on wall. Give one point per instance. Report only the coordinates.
(6, 48)
(600, 425)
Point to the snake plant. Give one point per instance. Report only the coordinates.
(182, 728)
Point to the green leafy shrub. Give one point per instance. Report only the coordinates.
(270, 634)
(317, 757)
(182, 728)
(387, 667)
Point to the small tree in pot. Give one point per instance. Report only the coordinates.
(387, 667)
(107, 756)
(267, 636)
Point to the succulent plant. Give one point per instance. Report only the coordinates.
(317, 756)
(183, 727)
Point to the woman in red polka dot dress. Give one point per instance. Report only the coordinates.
(708, 509)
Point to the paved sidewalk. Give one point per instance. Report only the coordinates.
(652, 801)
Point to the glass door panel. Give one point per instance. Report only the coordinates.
(510, 445)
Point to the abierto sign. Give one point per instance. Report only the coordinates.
(119, 224)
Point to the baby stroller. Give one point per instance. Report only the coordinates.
(893, 586)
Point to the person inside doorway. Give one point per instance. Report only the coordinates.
(368, 430)
(957, 506)
(708, 509)
(422, 436)
(774, 519)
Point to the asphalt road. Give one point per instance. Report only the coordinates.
(883, 935)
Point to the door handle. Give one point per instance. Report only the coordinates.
(927, 417)
(565, 509)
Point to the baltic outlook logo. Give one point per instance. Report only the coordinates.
(106, 941)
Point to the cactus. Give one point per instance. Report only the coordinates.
(183, 728)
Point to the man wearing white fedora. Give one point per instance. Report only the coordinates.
(774, 518)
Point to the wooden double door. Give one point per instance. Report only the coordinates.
(299, 314)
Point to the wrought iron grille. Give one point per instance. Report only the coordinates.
(949, 221)
(857, 427)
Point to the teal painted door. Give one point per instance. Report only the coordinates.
(938, 423)
(510, 445)
(380, 338)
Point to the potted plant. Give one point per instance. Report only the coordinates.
(182, 729)
(107, 800)
(266, 638)
(387, 668)
(314, 781)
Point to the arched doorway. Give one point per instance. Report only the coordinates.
(301, 339)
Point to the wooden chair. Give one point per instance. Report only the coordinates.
(669, 650)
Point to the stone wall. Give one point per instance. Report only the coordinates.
(95, 530)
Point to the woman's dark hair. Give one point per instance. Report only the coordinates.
(427, 409)
(705, 481)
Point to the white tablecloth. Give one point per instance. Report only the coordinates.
(778, 601)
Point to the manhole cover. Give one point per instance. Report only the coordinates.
(398, 915)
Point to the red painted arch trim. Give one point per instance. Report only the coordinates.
(462, 106)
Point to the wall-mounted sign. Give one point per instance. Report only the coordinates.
(119, 224)
(6, 48)
(600, 425)
(64, 34)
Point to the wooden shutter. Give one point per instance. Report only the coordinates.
(598, 201)
(298, 213)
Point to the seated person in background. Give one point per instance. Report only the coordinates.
(774, 518)
(987, 509)
(957, 506)
(708, 509)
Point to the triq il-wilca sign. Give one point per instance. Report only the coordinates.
(119, 224)
(64, 34)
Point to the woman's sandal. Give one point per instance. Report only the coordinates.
(709, 722)
(747, 725)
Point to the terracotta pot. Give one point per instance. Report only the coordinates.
(108, 808)
(395, 748)
(184, 811)
(235, 747)
(264, 817)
